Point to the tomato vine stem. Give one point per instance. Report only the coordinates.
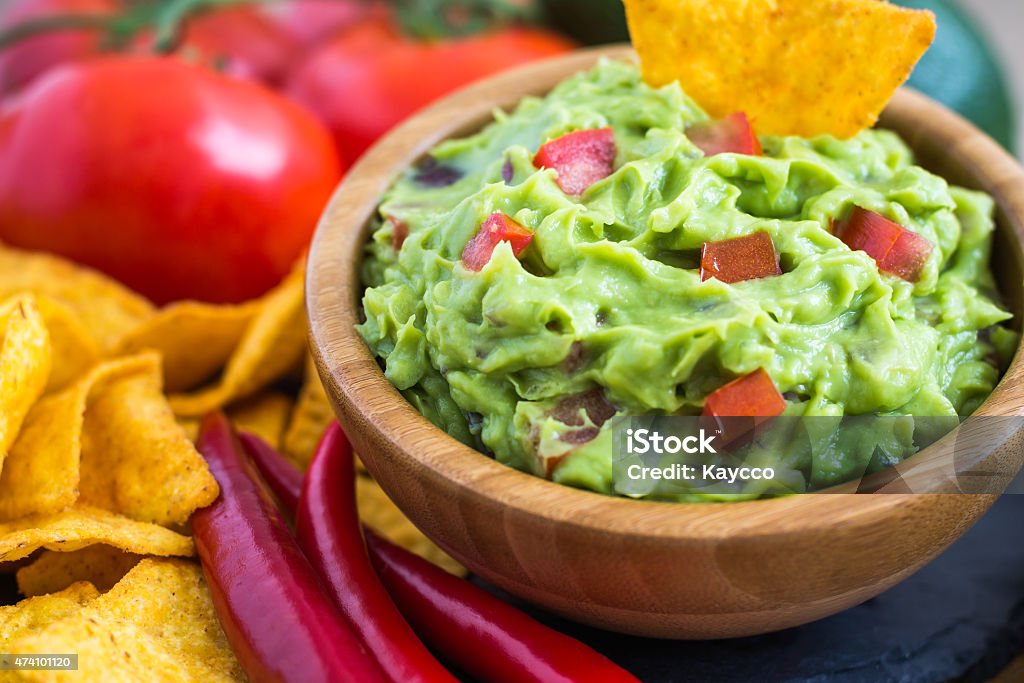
(439, 19)
(64, 22)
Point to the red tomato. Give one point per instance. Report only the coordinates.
(242, 42)
(371, 77)
(496, 229)
(752, 395)
(733, 134)
(580, 158)
(178, 181)
(897, 251)
(742, 258)
(27, 59)
(308, 22)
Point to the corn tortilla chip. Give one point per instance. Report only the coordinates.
(271, 347)
(312, 415)
(136, 460)
(42, 472)
(36, 613)
(24, 366)
(157, 624)
(190, 425)
(101, 565)
(83, 526)
(75, 350)
(195, 339)
(378, 512)
(795, 67)
(108, 309)
(265, 415)
(112, 438)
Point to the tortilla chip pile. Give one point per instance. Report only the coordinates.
(156, 624)
(100, 399)
(796, 67)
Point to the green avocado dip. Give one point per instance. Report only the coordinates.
(605, 312)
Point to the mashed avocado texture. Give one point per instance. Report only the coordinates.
(605, 313)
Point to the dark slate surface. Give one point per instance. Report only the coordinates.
(959, 618)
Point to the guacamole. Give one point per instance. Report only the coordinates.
(605, 312)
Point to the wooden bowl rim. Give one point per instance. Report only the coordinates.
(354, 380)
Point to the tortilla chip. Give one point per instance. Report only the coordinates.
(795, 67)
(136, 460)
(190, 425)
(41, 472)
(195, 339)
(36, 613)
(24, 366)
(271, 347)
(106, 308)
(75, 350)
(157, 624)
(111, 437)
(265, 415)
(378, 512)
(83, 526)
(100, 565)
(312, 415)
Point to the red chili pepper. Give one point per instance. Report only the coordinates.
(327, 527)
(282, 478)
(487, 638)
(276, 615)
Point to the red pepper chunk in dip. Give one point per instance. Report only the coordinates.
(897, 251)
(496, 229)
(752, 395)
(580, 159)
(742, 258)
(733, 134)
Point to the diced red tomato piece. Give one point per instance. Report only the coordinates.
(897, 251)
(497, 228)
(752, 395)
(908, 256)
(580, 159)
(869, 232)
(742, 258)
(732, 134)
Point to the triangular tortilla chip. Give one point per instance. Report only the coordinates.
(106, 308)
(36, 613)
(136, 459)
(157, 624)
(83, 526)
(195, 339)
(309, 421)
(42, 472)
(266, 415)
(75, 350)
(273, 345)
(101, 565)
(24, 365)
(796, 67)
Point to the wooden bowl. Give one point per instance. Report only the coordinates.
(654, 569)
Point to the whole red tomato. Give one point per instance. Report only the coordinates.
(307, 22)
(371, 77)
(180, 182)
(242, 42)
(27, 59)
